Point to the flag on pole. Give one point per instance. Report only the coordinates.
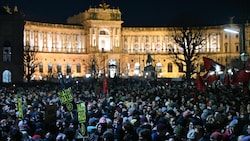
(200, 85)
(210, 64)
(105, 85)
(210, 77)
(207, 63)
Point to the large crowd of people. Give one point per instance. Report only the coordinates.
(133, 109)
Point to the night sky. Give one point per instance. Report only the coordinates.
(140, 12)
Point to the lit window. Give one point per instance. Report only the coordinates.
(68, 68)
(49, 68)
(180, 67)
(59, 68)
(6, 52)
(78, 68)
(237, 48)
(102, 32)
(158, 67)
(137, 69)
(41, 67)
(170, 67)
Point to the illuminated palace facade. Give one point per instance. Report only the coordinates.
(95, 41)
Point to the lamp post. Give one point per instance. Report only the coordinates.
(244, 58)
(93, 69)
(243, 55)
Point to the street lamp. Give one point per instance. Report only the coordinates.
(244, 58)
(93, 69)
(243, 55)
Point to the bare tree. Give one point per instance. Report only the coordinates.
(30, 62)
(189, 41)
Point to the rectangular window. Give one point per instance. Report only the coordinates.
(7, 54)
(180, 67)
(78, 69)
(41, 68)
(68, 69)
(170, 67)
(59, 68)
(50, 70)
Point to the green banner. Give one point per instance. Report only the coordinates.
(67, 99)
(82, 118)
(81, 109)
(20, 108)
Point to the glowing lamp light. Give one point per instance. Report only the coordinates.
(231, 31)
(244, 56)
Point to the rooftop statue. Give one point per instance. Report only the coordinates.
(7, 9)
(104, 5)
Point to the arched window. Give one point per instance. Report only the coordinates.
(170, 67)
(102, 32)
(226, 47)
(68, 68)
(137, 69)
(59, 68)
(41, 67)
(158, 67)
(180, 67)
(78, 68)
(50, 67)
(237, 48)
(6, 76)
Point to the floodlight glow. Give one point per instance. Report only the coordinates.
(231, 31)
